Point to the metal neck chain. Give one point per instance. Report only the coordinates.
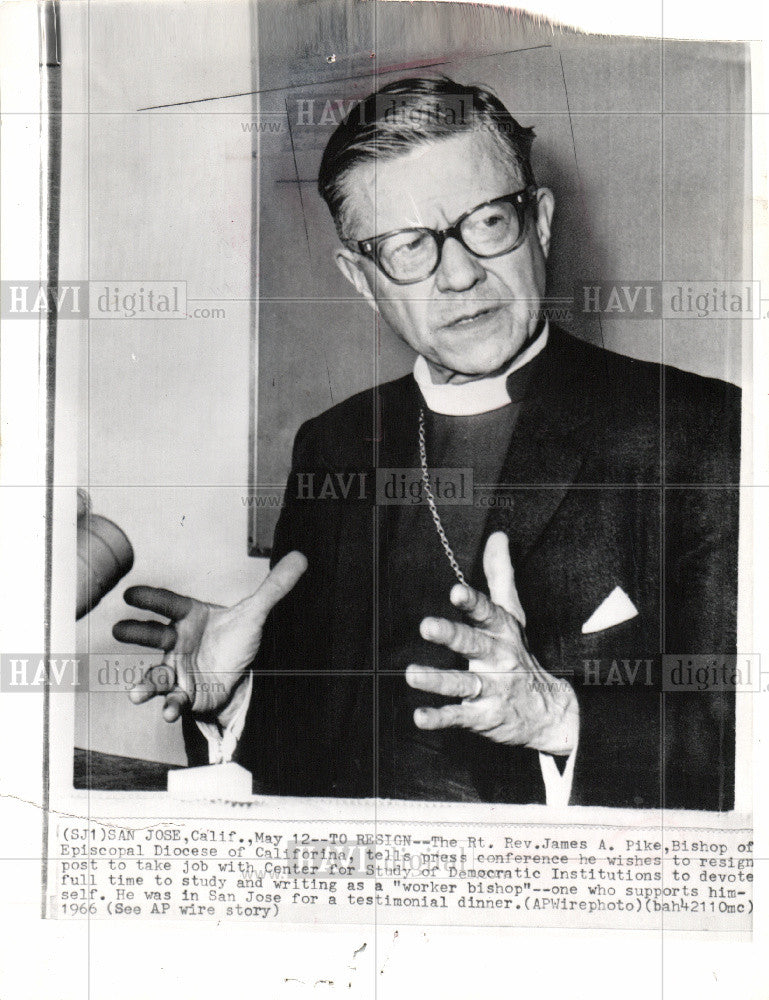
(431, 502)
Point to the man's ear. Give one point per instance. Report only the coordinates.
(544, 214)
(349, 264)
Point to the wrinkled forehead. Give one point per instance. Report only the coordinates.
(430, 185)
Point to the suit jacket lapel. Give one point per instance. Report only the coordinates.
(399, 421)
(386, 438)
(548, 445)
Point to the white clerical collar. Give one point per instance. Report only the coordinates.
(482, 395)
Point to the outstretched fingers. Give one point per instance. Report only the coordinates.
(281, 579)
(450, 683)
(157, 680)
(468, 715)
(500, 576)
(477, 606)
(174, 705)
(459, 637)
(159, 601)
(156, 635)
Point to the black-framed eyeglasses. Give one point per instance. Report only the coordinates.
(491, 229)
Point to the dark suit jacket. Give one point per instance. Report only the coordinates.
(619, 473)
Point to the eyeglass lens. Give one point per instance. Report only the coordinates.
(411, 255)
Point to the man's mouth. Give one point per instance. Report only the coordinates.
(468, 318)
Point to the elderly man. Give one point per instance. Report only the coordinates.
(507, 649)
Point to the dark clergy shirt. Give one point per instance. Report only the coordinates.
(410, 758)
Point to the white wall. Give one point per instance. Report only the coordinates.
(164, 411)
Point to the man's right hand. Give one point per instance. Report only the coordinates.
(207, 648)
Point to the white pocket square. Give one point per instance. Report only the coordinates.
(614, 610)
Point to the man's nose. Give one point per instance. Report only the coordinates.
(459, 270)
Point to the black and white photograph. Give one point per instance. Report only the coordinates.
(384, 388)
(491, 337)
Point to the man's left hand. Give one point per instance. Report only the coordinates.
(508, 697)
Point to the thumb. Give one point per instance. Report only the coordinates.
(279, 581)
(500, 576)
